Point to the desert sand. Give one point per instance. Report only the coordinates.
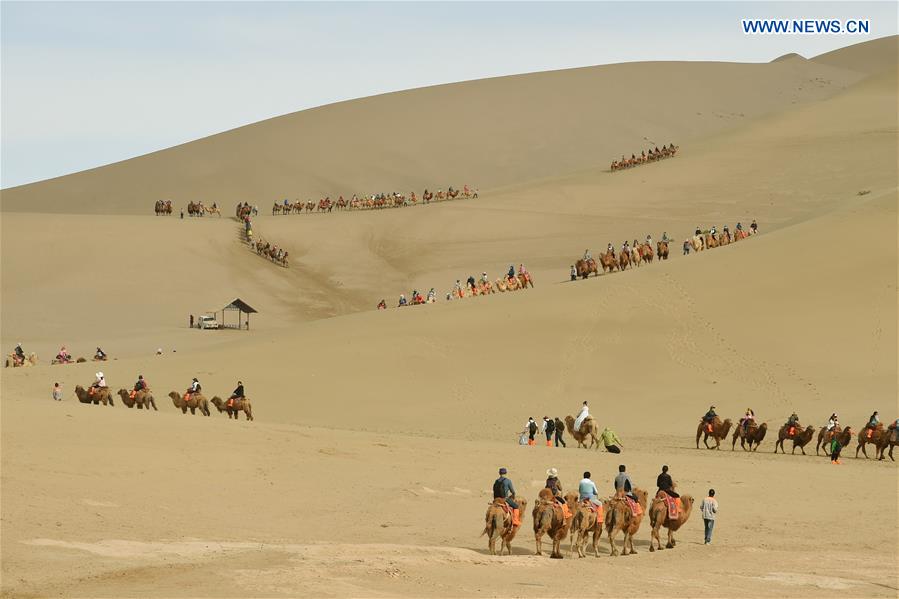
(378, 434)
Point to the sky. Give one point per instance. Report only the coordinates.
(83, 84)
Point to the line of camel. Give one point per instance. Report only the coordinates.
(145, 400)
(644, 157)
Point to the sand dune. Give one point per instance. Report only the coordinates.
(377, 434)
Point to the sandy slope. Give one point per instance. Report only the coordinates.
(378, 434)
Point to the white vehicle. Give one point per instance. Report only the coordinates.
(208, 322)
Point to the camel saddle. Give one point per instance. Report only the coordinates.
(674, 506)
(636, 509)
(709, 427)
(596, 509)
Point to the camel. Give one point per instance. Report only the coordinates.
(196, 401)
(588, 428)
(499, 525)
(213, 210)
(646, 253)
(586, 520)
(753, 436)
(141, 399)
(658, 517)
(525, 279)
(238, 406)
(624, 260)
(697, 243)
(608, 261)
(716, 429)
(662, 250)
(620, 517)
(872, 436)
(824, 438)
(549, 519)
(843, 437)
(12, 360)
(100, 395)
(888, 440)
(585, 267)
(711, 242)
(800, 438)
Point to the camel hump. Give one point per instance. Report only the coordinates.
(546, 494)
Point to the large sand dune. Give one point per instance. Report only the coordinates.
(377, 434)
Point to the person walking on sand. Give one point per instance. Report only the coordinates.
(548, 427)
(559, 431)
(57, 392)
(531, 428)
(686, 247)
(709, 509)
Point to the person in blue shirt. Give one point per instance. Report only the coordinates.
(586, 490)
(503, 489)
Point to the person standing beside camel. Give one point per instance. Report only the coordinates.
(559, 431)
(709, 509)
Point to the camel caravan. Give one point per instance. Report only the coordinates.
(472, 288)
(707, 239)
(163, 207)
(653, 155)
(630, 256)
(263, 248)
(377, 201)
(831, 438)
(582, 517)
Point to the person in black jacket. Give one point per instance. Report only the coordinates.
(548, 426)
(236, 394)
(532, 430)
(664, 483)
(559, 431)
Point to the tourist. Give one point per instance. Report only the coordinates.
(709, 509)
(57, 392)
(559, 431)
(686, 247)
(503, 489)
(532, 430)
(573, 273)
(547, 428)
(665, 484)
(623, 483)
(611, 441)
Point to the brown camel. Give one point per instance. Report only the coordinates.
(100, 395)
(646, 253)
(710, 242)
(525, 279)
(889, 440)
(659, 517)
(196, 401)
(662, 250)
(235, 408)
(824, 438)
(12, 360)
(588, 519)
(585, 267)
(589, 428)
(499, 525)
(754, 436)
(620, 517)
(549, 519)
(141, 399)
(716, 429)
(608, 261)
(799, 437)
(873, 436)
(697, 243)
(624, 260)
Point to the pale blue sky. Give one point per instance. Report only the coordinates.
(84, 84)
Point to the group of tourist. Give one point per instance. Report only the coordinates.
(472, 287)
(371, 201)
(588, 493)
(645, 156)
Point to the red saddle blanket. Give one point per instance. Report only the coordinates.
(674, 506)
(709, 428)
(636, 509)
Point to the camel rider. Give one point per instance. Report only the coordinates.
(382, 305)
(636, 243)
(874, 420)
(432, 295)
(710, 415)
(586, 490)
(714, 232)
(523, 271)
(402, 300)
(726, 231)
(610, 249)
(754, 226)
(664, 483)
(623, 484)
(503, 489)
(665, 237)
(99, 383)
(793, 421)
(19, 352)
(194, 388)
(236, 394)
(100, 355)
(484, 279)
(471, 282)
(582, 415)
(553, 484)
(739, 226)
(511, 274)
(63, 355)
(747, 420)
(141, 384)
(649, 240)
(833, 422)
(698, 231)
(587, 256)
(625, 248)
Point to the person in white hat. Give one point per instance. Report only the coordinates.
(100, 382)
(553, 483)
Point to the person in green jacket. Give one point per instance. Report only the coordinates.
(611, 441)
